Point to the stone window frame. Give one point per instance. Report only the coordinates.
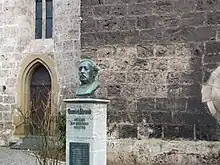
(44, 18)
(28, 65)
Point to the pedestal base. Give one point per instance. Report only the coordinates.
(86, 131)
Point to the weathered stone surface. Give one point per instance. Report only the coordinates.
(127, 131)
(160, 152)
(160, 50)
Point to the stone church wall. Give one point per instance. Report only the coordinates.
(154, 57)
(15, 33)
(17, 37)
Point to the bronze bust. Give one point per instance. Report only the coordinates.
(87, 75)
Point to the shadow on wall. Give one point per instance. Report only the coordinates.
(178, 114)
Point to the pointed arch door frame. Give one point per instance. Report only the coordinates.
(28, 65)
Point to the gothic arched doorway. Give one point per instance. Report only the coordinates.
(32, 67)
(40, 99)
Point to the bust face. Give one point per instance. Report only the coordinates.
(86, 74)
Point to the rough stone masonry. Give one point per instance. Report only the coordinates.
(153, 56)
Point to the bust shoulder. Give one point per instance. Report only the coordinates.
(87, 89)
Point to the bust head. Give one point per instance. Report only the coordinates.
(87, 71)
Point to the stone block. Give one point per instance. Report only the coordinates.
(157, 90)
(122, 117)
(207, 132)
(197, 49)
(89, 53)
(206, 119)
(113, 77)
(114, 38)
(116, 24)
(212, 47)
(89, 26)
(127, 117)
(86, 13)
(203, 5)
(134, 1)
(190, 34)
(174, 91)
(193, 19)
(151, 35)
(145, 51)
(114, 90)
(105, 52)
(178, 64)
(92, 2)
(9, 99)
(191, 90)
(173, 132)
(127, 131)
(173, 77)
(113, 2)
(128, 90)
(195, 63)
(156, 131)
(110, 24)
(204, 33)
(10, 82)
(1, 117)
(146, 22)
(183, 118)
(68, 45)
(109, 11)
(161, 117)
(4, 107)
(167, 21)
(146, 104)
(162, 7)
(159, 64)
(133, 37)
(144, 117)
(134, 77)
(7, 116)
(214, 58)
(118, 104)
(140, 9)
(146, 130)
(166, 50)
(213, 18)
(131, 23)
(92, 39)
(195, 105)
(1, 99)
(184, 6)
(170, 104)
(153, 78)
(206, 75)
(191, 77)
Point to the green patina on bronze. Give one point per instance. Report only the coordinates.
(87, 75)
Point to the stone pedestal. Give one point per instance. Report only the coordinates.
(86, 131)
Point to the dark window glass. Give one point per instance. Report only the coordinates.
(49, 18)
(38, 29)
(49, 28)
(38, 22)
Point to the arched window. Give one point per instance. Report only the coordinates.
(44, 8)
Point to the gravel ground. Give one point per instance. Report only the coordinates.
(16, 157)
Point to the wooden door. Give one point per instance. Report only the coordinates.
(40, 90)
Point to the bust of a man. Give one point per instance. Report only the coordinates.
(87, 75)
